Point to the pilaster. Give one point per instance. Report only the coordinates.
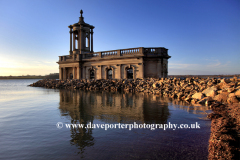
(64, 73)
(74, 72)
(91, 33)
(70, 40)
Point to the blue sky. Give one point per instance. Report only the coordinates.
(203, 36)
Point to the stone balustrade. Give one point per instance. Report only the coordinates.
(147, 52)
(129, 51)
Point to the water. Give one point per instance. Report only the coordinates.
(29, 115)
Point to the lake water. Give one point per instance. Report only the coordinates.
(28, 130)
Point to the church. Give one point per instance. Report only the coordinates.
(131, 63)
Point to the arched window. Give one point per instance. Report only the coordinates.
(92, 76)
(129, 73)
(109, 74)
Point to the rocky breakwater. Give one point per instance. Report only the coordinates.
(221, 95)
(191, 90)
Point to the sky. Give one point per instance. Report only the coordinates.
(203, 36)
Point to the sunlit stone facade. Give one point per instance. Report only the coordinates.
(83, 63)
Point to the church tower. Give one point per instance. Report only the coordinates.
(81, 37)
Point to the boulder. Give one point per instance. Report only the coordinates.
(198, 96)
(222, 97)
(225, 80)
(206, 101)
(237, 93)
(212, 94)
(155, 85)
(221, 85)
(210, 91)
(232, 99)
(193, 101)
(203, 100)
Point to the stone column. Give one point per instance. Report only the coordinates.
(78, 73)
(120, 71)
(143, 70)
(83, 40)
(91, 40)
(84, 72)
(79, 41)
(100, 72)
(70, 40)
(60, 73)
(74, 39)
(134, 72)
(64, 73)
(87, 73)
(105, 72)
(124, 72)
(113, 73)
(74, 72)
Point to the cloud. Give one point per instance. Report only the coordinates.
(218, 64)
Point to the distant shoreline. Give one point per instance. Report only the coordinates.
(56, 76)
(204, 76)
(23, 77)
(50, 76)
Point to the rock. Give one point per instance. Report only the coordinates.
(203, 100)
(222, 97)
(179, 95)
(232, 99)
(193, 101)
(212, 94)
(155, 85)
(198, 96)
(188, 99)
(225, 80)
(230, 90)
(237, 93)
(210, 91)
(209, 101)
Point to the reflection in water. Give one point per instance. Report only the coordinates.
(113, 107)
(191, 108)
(83, 107)
(70, 106)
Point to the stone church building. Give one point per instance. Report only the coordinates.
(83, 63)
